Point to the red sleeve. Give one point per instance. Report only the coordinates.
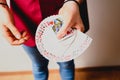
(29, 13)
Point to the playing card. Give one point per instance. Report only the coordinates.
(73, 44)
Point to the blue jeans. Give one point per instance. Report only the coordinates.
(40, 65)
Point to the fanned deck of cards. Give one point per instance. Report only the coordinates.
(72, 45)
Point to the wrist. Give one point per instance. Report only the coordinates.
(72, 1)
(77, 1)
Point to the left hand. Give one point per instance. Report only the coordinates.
(71, 16)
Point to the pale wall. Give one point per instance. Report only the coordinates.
(104, 18)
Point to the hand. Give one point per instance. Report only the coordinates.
(71, 16)
(8, 28)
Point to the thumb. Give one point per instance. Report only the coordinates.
(14, 31)
(63, 31)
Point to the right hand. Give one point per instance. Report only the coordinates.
(71, 18)
(10, 32)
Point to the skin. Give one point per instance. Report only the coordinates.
(71, 16)
(14, 37)
(8, 29)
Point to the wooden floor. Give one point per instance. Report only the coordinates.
(96, 73)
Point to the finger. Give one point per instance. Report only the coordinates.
(26, 38)
(14, 31)
(80, 27)
(8, 35)
(63, 30)
(18, 42)
(23, 39)
(11, 38)
(25, 35)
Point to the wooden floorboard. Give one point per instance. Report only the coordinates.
(93, 73)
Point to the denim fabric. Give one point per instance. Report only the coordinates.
(40, 65)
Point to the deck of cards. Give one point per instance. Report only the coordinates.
(72, 45)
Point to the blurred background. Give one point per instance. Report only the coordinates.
(104, 17)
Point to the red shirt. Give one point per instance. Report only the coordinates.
(29, 13)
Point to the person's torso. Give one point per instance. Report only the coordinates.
(29, 13)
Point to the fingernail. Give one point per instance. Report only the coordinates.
(18, 36)
(59, 36)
